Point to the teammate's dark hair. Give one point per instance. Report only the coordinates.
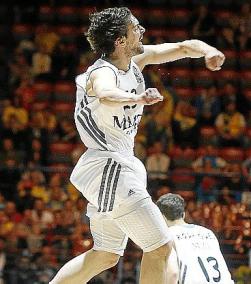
(172, 206)
(107, 26)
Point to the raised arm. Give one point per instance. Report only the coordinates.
(166, 52)
(103, 85)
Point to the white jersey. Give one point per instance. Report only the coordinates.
(198, 256)
(105, 127)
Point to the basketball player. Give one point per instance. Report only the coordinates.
(110, 99)
(196, 257)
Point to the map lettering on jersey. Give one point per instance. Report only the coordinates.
(127, 121)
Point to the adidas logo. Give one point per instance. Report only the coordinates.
(131, 192)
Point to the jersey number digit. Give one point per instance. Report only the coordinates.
(133, 91)
(215, 266)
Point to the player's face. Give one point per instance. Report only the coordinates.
(134, 38)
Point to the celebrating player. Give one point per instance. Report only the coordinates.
(110, 99)
(196, 257)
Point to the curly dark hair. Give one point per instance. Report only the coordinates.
(107, 26)
(172, 206)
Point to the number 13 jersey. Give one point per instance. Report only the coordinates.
(105, 126)
(198, 256)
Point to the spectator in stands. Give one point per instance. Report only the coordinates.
(8, 152)
(229, 94)
(46, 38)
(45, 264)
(202, 24)
(185, 125)
(226, 197)
(230, 125)
(18, 67)
(217, 163)
(35, 155)
(164, 189)
(234, 180)
(207, 184)
(227, 38)
(69, 213)
(157, 165)
(243, 241)
(57, 198)
(60, 235)
(245, 19)
(140, 148)
(156, 129)
(41, 215)
(41, 64)
(207, 166)
(37, 130)
(66, 131)
(25, 92)
(208, 106)
(35, 239)
(38, 185)
(15, 109)
(14, 130)
(50, 120)
(9, 176)
(64, 61)
(129, 269)
(11, 212)
(24, 199)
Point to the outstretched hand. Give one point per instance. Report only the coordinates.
(151, 96)
(214, 60)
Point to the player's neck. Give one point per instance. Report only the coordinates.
(176, 222)
(121, 61)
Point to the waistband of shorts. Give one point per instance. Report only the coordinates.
(123, 153)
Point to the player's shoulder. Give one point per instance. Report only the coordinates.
(99, 65)
(80, 79)
(204, 230)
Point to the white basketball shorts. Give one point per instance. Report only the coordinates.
(144, 225)
(119, 204)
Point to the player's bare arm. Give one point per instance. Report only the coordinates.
(103, 85)
(167, 52)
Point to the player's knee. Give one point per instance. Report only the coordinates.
(161, 252)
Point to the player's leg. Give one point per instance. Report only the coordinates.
(109, 245)
(84, 267)
(145, 225)
(154, 264)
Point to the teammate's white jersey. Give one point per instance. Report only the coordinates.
(105, 127)
(198, 257)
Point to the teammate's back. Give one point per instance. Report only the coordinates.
(198, 255)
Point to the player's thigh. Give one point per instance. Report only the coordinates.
(107, 235)
(145, 225)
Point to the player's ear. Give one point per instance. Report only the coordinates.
(121, 41)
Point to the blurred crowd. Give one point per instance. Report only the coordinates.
(197, 143)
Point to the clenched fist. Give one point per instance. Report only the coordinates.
(214, 60)
(151, 96)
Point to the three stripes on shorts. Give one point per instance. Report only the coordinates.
(108, 186)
